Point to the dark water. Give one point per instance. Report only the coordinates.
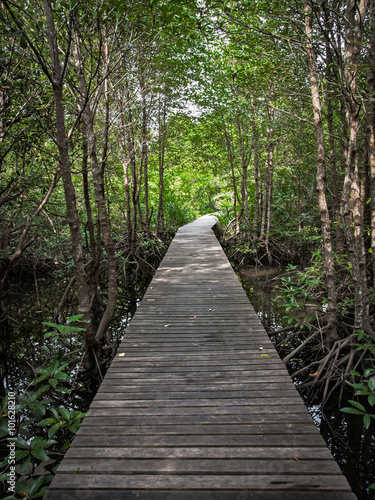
(350, 444)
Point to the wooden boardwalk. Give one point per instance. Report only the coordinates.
(197, 405)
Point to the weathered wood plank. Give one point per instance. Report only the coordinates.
(95, 494)
(173, 465)
(306, 453)
(275, 482)
(197, 404)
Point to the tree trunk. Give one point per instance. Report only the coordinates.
(244, 168)
(125, 165)
(270, 166)
(332, 156)
(144, 154)
(161, 144)
(256, 180)
(103, 218)
(370, 127)
(83, 289)
(351, 209)
(320, 179)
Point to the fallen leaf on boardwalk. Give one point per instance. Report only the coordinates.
(261, 348)
(264, 355)
(313, 374)
(167, 271)
(211, 309)
(150, 300)
(121, 355)
(166, 326)
(295, 458)
(193, 317)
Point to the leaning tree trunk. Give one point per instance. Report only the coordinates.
(97, 175)
(83, 288)
(325, 221)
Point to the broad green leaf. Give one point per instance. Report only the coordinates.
(36, 484)
(53, 382)
(77, 317)
(40, 454)
(47, 421)
(366, 420)
(65, 413)
(351, 410)
(357, 405)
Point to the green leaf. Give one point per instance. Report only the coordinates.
(55, 413)
(77, 317)
(40, 454)
(65, 413)
(21, 454)
(65, 446)
(36, 485)
(47, 421)
(21, 443)
(49, 334)
(351, 410)
(357, 405)
(53, 382)
(25, 464)
(371, 384)
(54, 429)
(366, 420)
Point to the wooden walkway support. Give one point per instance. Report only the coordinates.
(197, 404)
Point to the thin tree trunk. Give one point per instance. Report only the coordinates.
(351, 210)
(125, 165)
(270, 166)
(256, 180)
(370, 127)
(233, 174)
(94, 252)
(103, 218)
(83, 289)
(320, 179)
(162, 140)
(144, 154)
(244, 169)
(332, 156)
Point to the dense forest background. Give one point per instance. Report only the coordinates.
(121, 121)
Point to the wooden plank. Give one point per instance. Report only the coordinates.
(95, 494)
(275, 482)
(223, 465)
(228, 452)
(197, 404)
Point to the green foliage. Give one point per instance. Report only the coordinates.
(35, 454)
(366, 385)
